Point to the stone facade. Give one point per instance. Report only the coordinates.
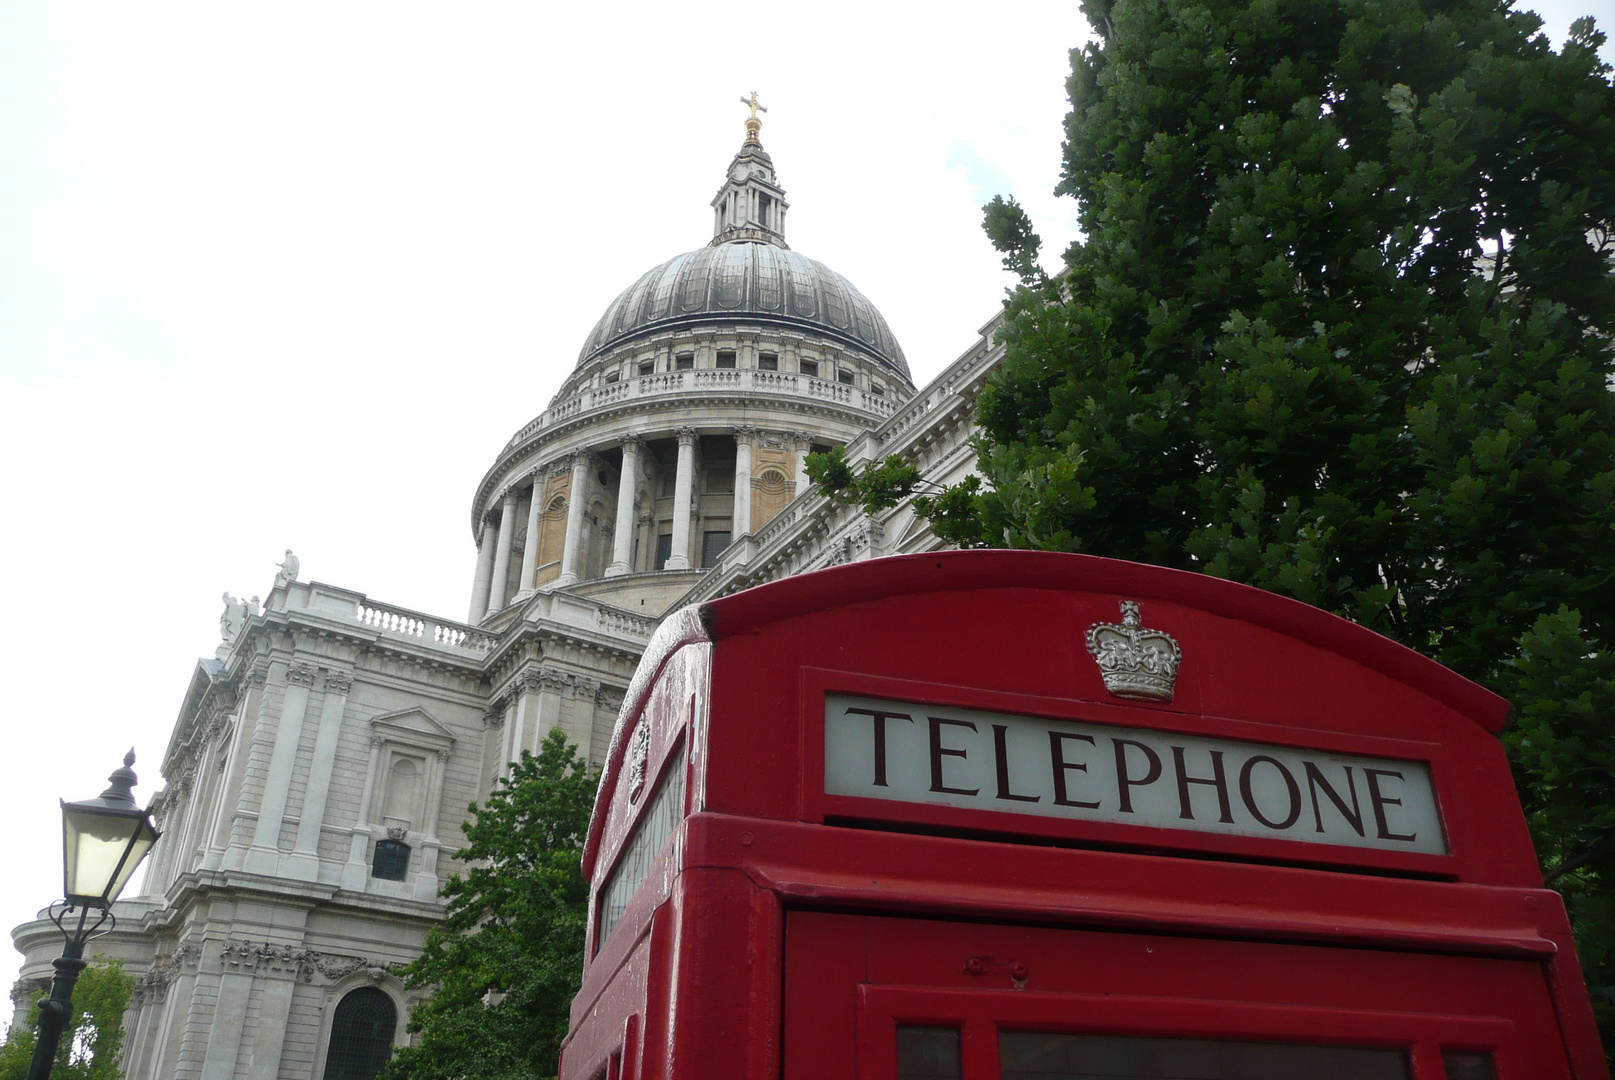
(323, 760)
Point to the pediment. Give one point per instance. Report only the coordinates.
(415, 726)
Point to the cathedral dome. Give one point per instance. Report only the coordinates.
(756, 281)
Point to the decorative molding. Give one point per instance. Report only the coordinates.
(300, 964)
(687, 436)
(301, 674)
(540, 679)
(338, 682)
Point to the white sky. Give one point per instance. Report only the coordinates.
(290, 275)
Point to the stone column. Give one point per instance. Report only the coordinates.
(274, 1009)
(802, 443)
(484, 578)
(622, 537)
(571, 555)
(264, 855)
(304, 861)
(501, 559)
(356, 873)
(683, 492)
(535, 513)
(745, 438)
(229, 1022)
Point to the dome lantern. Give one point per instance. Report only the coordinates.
(750, 206)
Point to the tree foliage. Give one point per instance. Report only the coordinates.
(1339, 327)
(91, 1044)
(506, 961)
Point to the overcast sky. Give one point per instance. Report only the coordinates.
(290, 275)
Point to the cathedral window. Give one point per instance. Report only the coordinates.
(391, 862)
(684, 361)
(877, 389)
(763, 204)
(712, 545)
(844, 377)
(808, 367)
(726, 359)
(362, 1034)
(648, 367)
(612, 376)
(768, 361)
(664, 550)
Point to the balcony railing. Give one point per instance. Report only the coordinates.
(750, 383)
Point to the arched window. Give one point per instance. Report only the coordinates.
(361, 1035)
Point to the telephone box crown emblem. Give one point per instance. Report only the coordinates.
(1136, 662)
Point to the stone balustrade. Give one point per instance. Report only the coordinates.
(397, 622)
(754, 385)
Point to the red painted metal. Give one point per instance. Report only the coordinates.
(782, 932)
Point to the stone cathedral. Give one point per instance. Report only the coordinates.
(322, 761)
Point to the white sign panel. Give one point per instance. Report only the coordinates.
(940, 756)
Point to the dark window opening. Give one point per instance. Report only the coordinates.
(712, 545)
(664, 550)
(1052, 1055)
(808, 367)
(762, 210)
(362, 1033)
(768, 361)
(613, 376)
(684, 362)
(879, 390)
(928, 1053)
(726, 359)
(844, 377)
(1467, 1065)
(648, 367)
(391, 862)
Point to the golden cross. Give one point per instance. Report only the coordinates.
(752, 101)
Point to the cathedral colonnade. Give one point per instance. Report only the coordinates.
(679, 492)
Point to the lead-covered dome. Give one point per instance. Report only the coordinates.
(757, 281)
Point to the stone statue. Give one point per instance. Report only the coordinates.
(252, 607)
(288, 569)
(233, 619)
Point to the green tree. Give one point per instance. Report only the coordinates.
(91, 1045)
(506, 961)
(1339, 327)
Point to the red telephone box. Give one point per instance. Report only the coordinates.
(1034, 816)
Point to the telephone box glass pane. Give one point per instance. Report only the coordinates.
(656, 823)
(927, 1053)
(1467, 1065)
(1036, 1055)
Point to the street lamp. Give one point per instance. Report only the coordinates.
(103, 840)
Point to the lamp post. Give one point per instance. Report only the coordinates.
(103, 840)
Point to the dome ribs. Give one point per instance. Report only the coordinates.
(746, 280)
